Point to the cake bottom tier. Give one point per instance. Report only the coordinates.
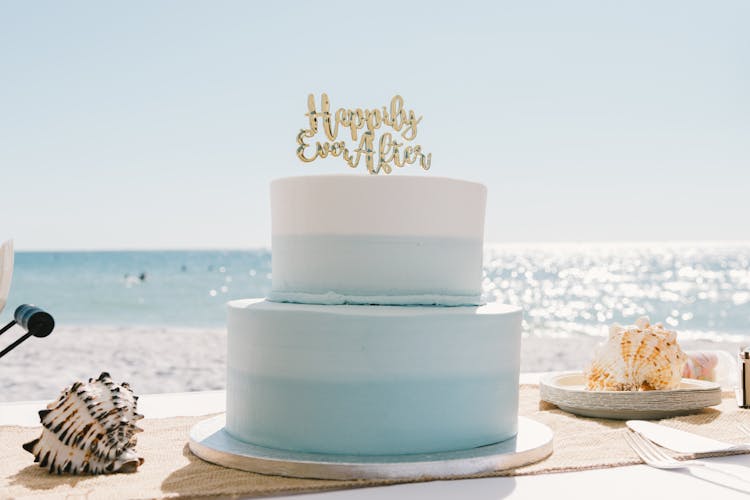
(372, 380)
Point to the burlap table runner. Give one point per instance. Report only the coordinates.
(171, 470)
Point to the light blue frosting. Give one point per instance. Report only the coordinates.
(367, 380)
(333, 298)
(367, 269)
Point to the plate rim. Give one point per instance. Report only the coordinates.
(703, 385)
(626, 405)
(210, 441)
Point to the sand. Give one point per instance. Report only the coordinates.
(152, 360)
(158, 360)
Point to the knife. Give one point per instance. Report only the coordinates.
(6, 271)
(681, 441)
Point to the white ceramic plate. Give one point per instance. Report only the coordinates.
(6, 271)
(567, 392)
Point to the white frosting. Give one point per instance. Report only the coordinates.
(342, 239)
(395, 205)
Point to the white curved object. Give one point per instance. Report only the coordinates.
(6, 271)
(406, 240)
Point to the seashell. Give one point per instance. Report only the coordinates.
(640, 357)
(701, 365)
(90, 429)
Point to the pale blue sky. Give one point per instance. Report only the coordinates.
(159, 124)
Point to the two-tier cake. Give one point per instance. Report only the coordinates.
(373, 340)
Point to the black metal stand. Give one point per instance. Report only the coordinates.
(35, 321)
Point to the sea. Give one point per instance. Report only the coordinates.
(566, 290)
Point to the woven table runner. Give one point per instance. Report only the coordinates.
(170, 469)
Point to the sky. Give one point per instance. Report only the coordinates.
(159, 124)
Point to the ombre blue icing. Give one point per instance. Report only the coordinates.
(368, 269)
(335, 363)
(368, 380)
(372, 417)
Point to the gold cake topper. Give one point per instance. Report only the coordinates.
(390, 152)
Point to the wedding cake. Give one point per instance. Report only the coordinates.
(374, 339)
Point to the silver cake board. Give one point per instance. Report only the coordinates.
(210, 441)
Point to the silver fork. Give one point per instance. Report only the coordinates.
(658, 458)
(652, 455)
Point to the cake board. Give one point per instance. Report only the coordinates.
(210, 441)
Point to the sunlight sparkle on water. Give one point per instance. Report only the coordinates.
(703, 289)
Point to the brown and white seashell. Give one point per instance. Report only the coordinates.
(640, 357)
(90, 429)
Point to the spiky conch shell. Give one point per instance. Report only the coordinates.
(641, 357)
(90, 429)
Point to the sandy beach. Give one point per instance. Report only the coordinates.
(152, 360)
(158, 360)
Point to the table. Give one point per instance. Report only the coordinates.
(610, 484)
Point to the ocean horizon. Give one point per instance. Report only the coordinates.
(700, 289)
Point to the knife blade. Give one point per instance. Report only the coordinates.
(6, 271)
(681, 441)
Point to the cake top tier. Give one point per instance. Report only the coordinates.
(378, 205)
(398, 240)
